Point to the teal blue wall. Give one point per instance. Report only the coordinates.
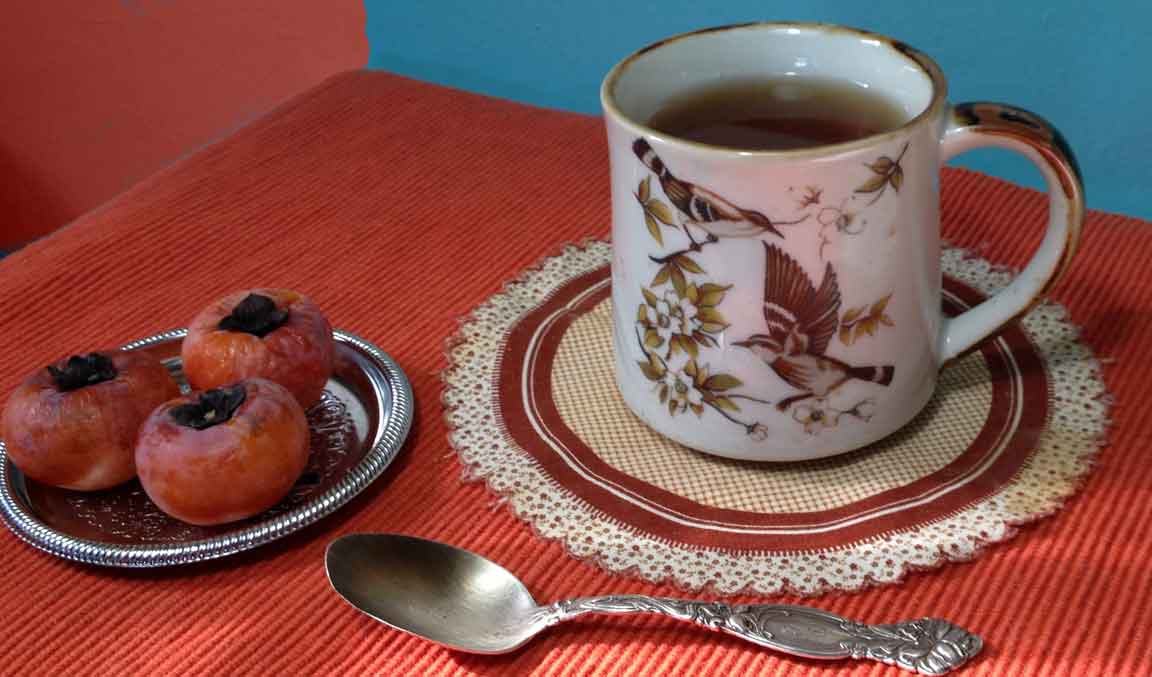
(1084, 65)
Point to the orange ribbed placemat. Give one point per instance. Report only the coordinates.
(399, 206)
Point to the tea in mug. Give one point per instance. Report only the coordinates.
(777, 114)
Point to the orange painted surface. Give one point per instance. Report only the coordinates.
(99, 94)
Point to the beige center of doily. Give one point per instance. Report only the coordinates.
(584, 390)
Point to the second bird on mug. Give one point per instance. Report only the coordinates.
(801, 320)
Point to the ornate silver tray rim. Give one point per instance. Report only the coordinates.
(395, 422)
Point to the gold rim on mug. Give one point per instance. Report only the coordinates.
(913, 56)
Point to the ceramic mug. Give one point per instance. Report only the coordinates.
(740, 336)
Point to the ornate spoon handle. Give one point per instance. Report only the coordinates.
(930, 646)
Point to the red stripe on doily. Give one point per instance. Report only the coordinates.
(646, 507)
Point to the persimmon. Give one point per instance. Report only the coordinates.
(275, 334)
(73, 424)
(224, 454)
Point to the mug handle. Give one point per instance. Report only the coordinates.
(980, 124)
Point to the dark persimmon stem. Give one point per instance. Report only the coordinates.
(256, 314)
(83, 370)
(212, 407)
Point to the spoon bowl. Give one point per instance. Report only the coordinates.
(448, 595)
(465, 602)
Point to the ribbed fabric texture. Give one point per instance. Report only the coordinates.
(398, 206)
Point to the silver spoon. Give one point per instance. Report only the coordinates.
(465, 602)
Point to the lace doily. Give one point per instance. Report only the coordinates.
(665, 537)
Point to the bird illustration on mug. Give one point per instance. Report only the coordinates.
(801, 320)
(705, 209)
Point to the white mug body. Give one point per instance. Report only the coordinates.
(778, 305)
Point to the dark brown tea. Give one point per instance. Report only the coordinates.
(778, 114)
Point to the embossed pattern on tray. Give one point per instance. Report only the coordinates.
(127, 512)
(357, 429)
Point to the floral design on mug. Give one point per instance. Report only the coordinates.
(820, 416)
(886, 173)
(864, 321)
(811, 196)
(843, 217)
(656, 212)
(680, 320)
(677, 322)
(676, 267)
(690, 387)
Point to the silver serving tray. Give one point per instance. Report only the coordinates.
(357, 428)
